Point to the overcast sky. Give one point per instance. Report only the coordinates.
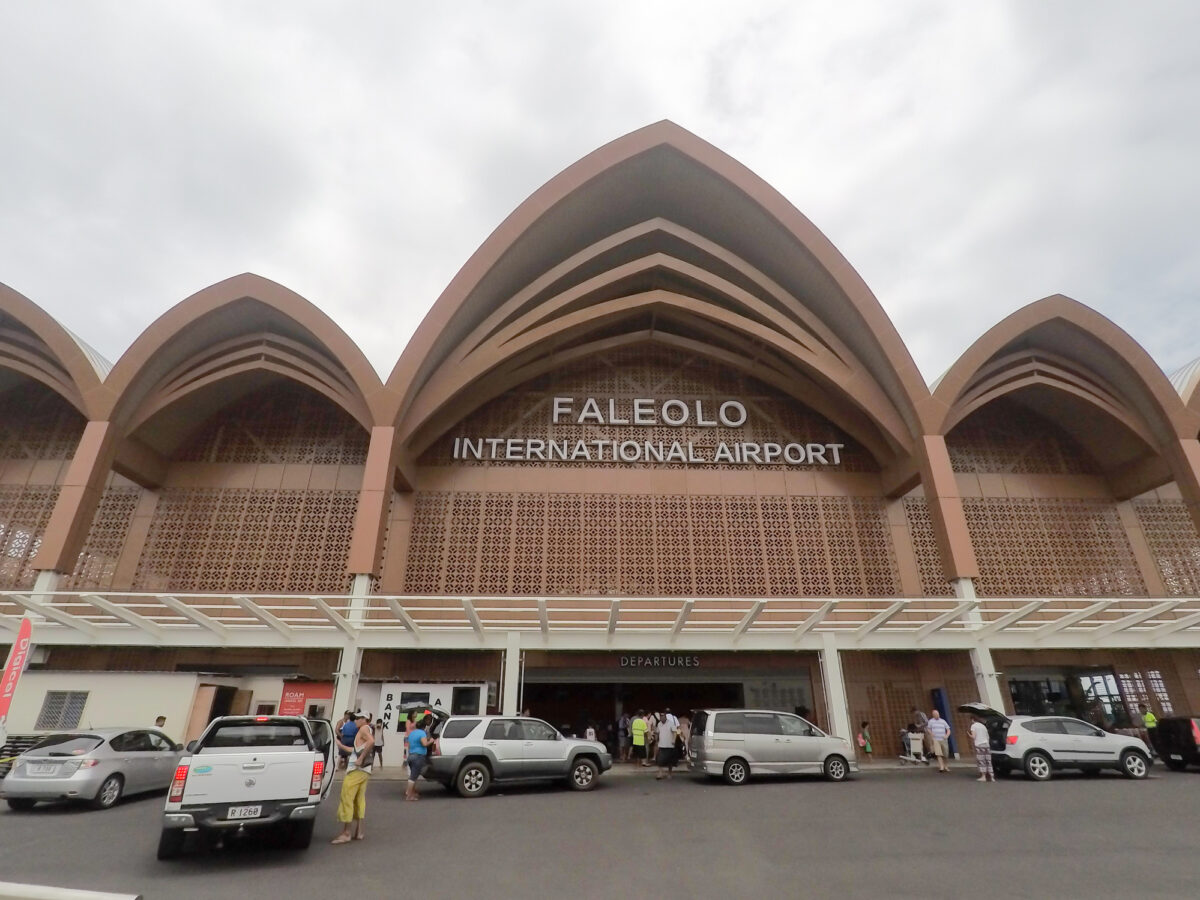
(967, 158)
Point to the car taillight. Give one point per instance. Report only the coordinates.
(314, 788)
(177, 784)
(88, 763)
(1196, 732)
(262, 718)
(1012, 739)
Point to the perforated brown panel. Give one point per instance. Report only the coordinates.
(650, 545)
(36, 423)
(106, 539)
(653, 372)
(1051, 548)
(285, 423)
(225, 540)
(1173, 540)
(1006, 437)
(24, 515)
(929, 557)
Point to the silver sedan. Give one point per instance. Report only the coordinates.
(98, 766)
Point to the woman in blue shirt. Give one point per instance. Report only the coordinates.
(419, 743)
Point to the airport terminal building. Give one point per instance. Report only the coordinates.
(656, 443)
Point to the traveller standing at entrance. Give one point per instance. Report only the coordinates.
(419, 742)
(922, 722)
(939, 731)
(668, 731)
(623, 736)
(983, 749)
(352, 803)
(637, 730)
(1150, 723)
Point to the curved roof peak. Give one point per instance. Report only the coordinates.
(1185, 379)
(664, 172)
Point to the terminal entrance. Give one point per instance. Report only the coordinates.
(570, 706)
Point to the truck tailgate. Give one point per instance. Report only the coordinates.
(246, 777)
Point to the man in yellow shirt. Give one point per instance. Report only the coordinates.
(637, 731)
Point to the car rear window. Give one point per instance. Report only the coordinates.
(729, 723)
(256, 735)
(700, 720)
(458, 728)
(67, 744)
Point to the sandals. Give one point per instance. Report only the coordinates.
(341, 839)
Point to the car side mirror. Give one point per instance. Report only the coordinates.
(191, 746)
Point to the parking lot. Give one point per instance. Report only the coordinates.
(905, 833)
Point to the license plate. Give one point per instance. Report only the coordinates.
(244, 812)
(1178, 756)
(43, 769)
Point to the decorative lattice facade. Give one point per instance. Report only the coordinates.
(24, 514)
(1051, 548)
(626, 374)
(264, 541)
(36, 423)
(650, 545)
(285, 423)
(925, 547)
(1173, 540)
(105, 542)
(1004, 437)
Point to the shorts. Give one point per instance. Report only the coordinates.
(352, 803)
(941, 748)
(625, 740)
(416, 765)
(666, 757)
(639, 751)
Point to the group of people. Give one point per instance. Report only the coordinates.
(927, 739)
(360, 745)
(659, 736)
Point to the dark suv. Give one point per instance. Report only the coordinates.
(1177, 741)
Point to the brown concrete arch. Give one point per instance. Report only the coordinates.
(535, 237)
(48, 353)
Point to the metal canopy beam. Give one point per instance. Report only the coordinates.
(1011, 618)
(128, 616)
(1135, 618)
(614, 613)
(1072, 618)
(1178, 625)
(268, 618)
(401, 613)
(336, 618)
(880, 618)
(748, 619)
(684, 611)
(945, 619)
(473, 616)
(814, 619)
(204, 620)
(56, 615)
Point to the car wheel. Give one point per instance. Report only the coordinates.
(583, 775)
(170, 843)
(109, 793)
(1134, 764)
(301, 835)
(473, 779)
(1038, 766)
(736, 771)
(836, 768)
(21, 804)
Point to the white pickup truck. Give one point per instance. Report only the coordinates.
(250, 773)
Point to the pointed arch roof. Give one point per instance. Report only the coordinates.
(236, 328)
(1059, 343)
(41, 348)
(696, 225)
(1185, 380)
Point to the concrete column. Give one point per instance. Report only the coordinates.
(370, 517)
(512, 675)
(360, 593)
(945, 509)
(987, 680)
(78, 497)
(47, 582)
(345, 680)
(837, 705)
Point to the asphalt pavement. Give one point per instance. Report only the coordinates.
(886, 833)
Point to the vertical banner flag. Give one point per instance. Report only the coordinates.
(16, 665)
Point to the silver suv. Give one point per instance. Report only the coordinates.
(738, 743)
(475, 751)
(1038, 745)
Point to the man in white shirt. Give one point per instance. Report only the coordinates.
(939, 730)
(983, 749)
(667, 730)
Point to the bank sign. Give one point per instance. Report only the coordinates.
(646, 413)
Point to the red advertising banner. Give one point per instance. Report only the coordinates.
(16, 665)
(296, 696)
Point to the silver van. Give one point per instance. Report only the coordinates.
(738, 743)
